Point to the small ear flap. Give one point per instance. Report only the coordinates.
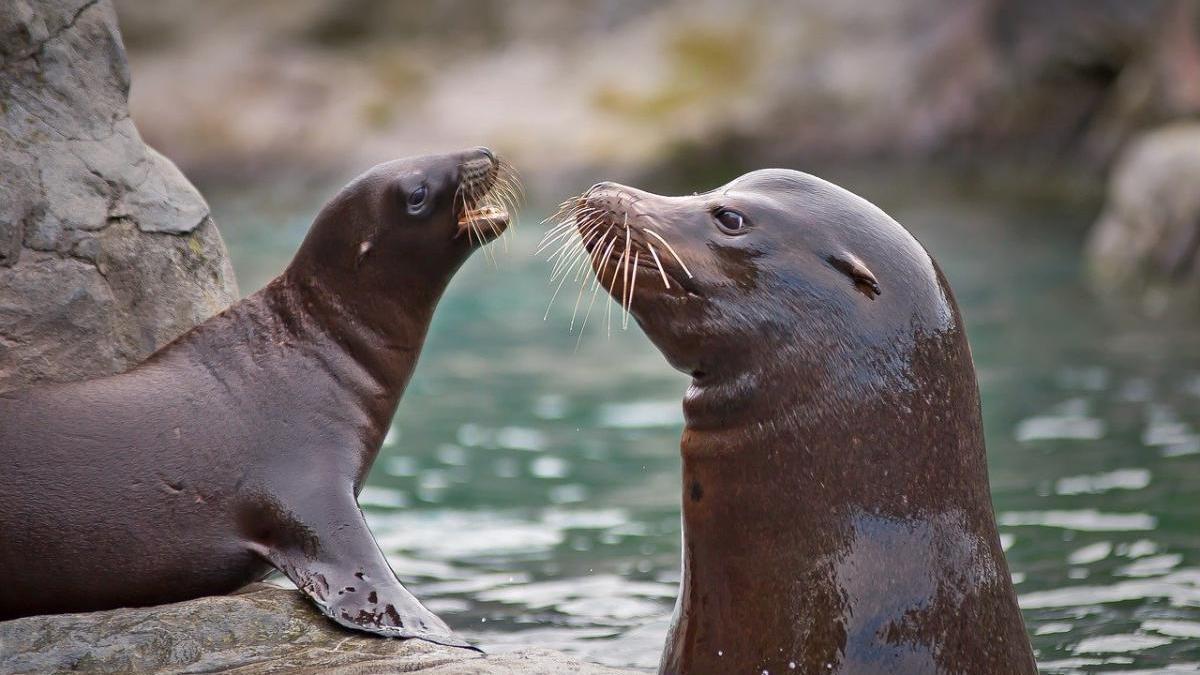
(363, 248)
(850, 265)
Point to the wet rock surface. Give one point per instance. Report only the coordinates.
(106, 251)
(1146, 243)
(263, 629)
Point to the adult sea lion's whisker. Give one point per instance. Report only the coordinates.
(558, 288)
(583, 270)
(577, 253)
(671, 249)
(568, 261)
(612, 285)
(661, 271)
(592, 261)
(579, 261)
(625, 274)
(562, 229)
(564, 211)
(632, 287)
(546, 243)
(588, 313)
(564, 214)
(567, 245)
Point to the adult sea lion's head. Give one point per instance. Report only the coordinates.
(777, 271)
(409, 223)
(836, 512)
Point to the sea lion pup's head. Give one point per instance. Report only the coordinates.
(774, 270)
(409, 223)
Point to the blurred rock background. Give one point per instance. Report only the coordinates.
(226, 86)
(1042, 94)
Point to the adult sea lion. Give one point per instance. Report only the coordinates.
(241, 446)
(836, 511)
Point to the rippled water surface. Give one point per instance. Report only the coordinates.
(529, 489)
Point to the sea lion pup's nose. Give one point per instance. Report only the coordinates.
(487, 152)
(598, 187)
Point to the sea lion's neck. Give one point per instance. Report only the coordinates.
(381, 331)
(331, 353)
(376, 337)
(823, 511)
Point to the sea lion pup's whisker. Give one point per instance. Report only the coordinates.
(461, 198)
(508, 175)
(477, 198)
(512, 185)
(671, 249)
(509, 201)
(661, 271)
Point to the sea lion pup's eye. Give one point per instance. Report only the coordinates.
(731, 222)
(416, 198)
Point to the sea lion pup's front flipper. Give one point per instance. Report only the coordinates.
(332, 557)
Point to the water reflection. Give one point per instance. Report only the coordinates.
(529, 490)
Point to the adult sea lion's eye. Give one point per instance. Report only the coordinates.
(417, 197)
(731, 221)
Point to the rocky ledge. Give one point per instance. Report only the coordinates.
(262, 629)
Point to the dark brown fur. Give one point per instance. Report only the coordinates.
(241, 446)
(836, 511)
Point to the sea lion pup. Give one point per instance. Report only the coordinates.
(836, 512)
(241, 446)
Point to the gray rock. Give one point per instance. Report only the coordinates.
(261, 630)
(1147, 241)
(106, 251)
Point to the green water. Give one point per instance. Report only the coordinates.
(529, 490)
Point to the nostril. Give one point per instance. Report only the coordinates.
(488, 153)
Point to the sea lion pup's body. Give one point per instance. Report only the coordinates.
(836, 511)
(242, 445)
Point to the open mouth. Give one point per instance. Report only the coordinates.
(487, 196)
(486, 217)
